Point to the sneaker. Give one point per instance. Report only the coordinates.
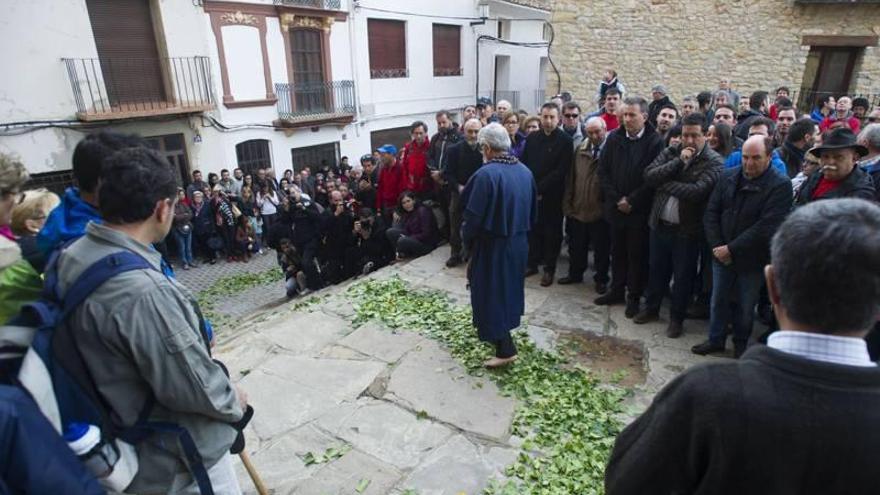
(646, 315)
(633, 305)
(453, 261)
(547, 279)
(675, 329)
(569, 280)
(609, 299)
(707, 348)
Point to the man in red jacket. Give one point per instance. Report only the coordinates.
(415, 160)
(391, 180)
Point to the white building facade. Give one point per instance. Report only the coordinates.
(283, 83)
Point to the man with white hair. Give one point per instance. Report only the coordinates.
(459, 164)
(500, 207)
(502, 107)
(870, 139)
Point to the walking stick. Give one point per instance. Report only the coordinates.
(252, 471)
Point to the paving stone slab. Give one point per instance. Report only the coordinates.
(244, 354)
(280, 461)
(454, 468)
(385, 431)
(381, 342)
(288, 391)
(344, 475)
(428, 379)
(305, 333)
(570, 312)
(543, 337)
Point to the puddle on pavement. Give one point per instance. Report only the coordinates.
(613, 360)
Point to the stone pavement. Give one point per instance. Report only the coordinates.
(392, 410)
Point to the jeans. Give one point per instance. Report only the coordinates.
(405, 245)
(629, 257)
(581, 235)
(184, 246)
(672, 255)
(726, 280)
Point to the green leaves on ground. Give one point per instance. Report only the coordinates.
(567, 419)
(330, 454)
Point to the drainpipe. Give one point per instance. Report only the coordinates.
(352, 59)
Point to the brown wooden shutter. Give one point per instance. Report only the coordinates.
(447, 49)
(127, 49)
(387, 41)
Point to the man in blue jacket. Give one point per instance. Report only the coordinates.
(80, 203)
(761, 126)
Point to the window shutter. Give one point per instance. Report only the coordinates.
(387, 41)
(447, 50)
(126, 42)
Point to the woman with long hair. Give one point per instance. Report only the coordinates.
(720, 139)
(414, 232)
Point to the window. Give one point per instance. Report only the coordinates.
(56, 182)
(387, 41)
(504, 29)
(447, 50)
(172, 147)
(398, 136)
(253, 155)
(316, 157)
(309, 91)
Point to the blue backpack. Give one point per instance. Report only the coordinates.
(41, 355)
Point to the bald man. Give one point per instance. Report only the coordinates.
(748, 204)
(582, 206)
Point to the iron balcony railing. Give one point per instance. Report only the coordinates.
(806, 99)
(131, 87)
(315, 4)
(310, 100)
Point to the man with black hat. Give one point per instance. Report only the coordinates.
(840, 176)
(485, 111)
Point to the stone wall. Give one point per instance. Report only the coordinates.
(688, 44)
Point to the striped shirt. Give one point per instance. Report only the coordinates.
(850, 351)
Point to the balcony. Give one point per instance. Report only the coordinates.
(313, 103)
(312, 4)
(114, 88)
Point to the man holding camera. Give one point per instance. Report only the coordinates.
(306, 223)
(371, 249)
(338, 236)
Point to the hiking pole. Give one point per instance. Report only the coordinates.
(252, 471)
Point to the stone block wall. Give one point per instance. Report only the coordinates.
(688, 44)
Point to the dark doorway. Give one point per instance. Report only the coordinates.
(253, 155)
(398, 136)
(310, 92)
(828, 71)
(173, 148)
(127, 51)
(315, 156)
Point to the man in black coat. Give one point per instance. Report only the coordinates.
(627, 202)
(744, 211)
(839, 176)
(548, 154)
(460, 162)
(797, 416)
(684, 177)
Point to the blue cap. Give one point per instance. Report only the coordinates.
(75, 431)
(387, 148)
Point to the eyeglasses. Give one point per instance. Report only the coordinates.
(571, 115)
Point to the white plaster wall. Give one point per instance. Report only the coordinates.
(244, 62)
(275, 49)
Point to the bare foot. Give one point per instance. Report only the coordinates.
(497, 362)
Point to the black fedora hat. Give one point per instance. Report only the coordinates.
(837, 139)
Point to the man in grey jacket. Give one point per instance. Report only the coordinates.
(141, 335)
(684, 177)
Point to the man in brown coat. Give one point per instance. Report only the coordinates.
(582, 206)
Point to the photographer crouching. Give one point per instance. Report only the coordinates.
(338, 237)
(371, 250)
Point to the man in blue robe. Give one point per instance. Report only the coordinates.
(500, 208)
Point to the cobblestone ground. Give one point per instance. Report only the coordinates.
(242, 304)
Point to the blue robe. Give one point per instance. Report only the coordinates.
(500, 207)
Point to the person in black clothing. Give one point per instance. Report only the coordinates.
(306, 225)
(798, 140)
(461, 161)
(627, 202)
(683, 176)
(338, 233)
(660, 100)
(840, 175)
(797, 416)
(759, 103)
(371, 250)
(748, 204)
(548, 154)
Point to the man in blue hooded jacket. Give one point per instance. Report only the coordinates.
(79, 206)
